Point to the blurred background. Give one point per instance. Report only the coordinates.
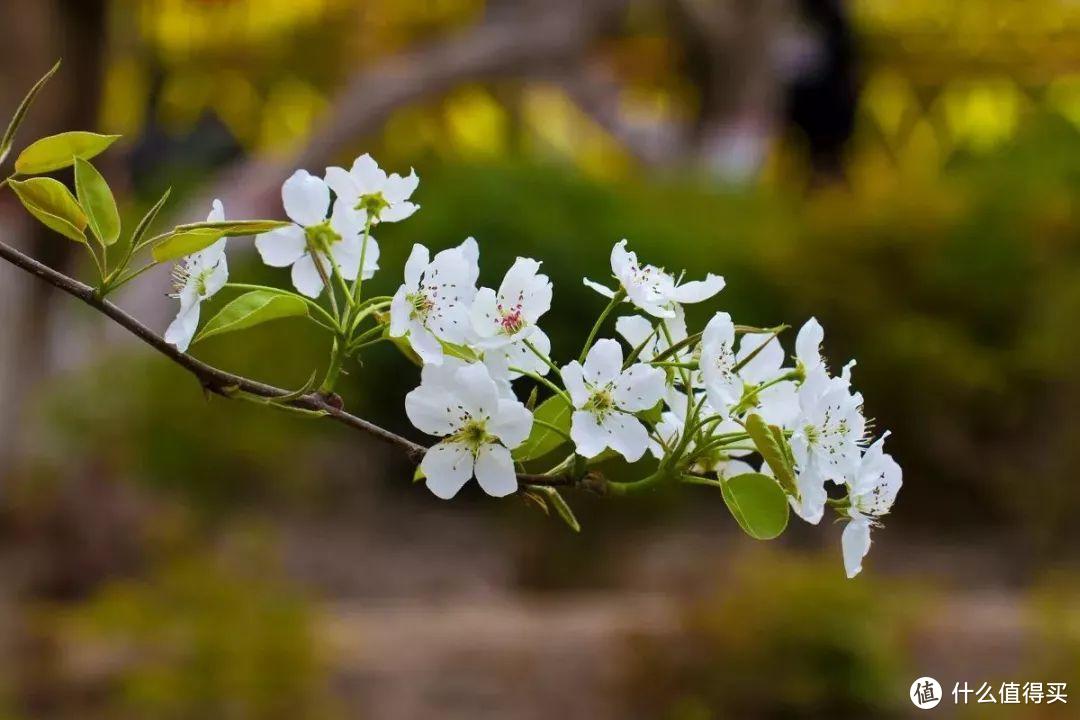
(907, 171)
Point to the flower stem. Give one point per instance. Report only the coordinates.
(543, 380)
(544, 358)
(358, 285)
(615, 300)
(333, 372)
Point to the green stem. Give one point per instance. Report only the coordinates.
(636, 352)
(685, 342)
(333, 372)
(543, 380)
(552, 428)
(326, 283)
(363, 339)
(544, 358)
(629, 488)
(620, 294)
(358, 284)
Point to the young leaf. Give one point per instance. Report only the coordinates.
(148, 218)
(773, 449)
(20, 113)
(97, 200)
(254, 308)
(59, 151)
(52, 203)
(181, 243)
(542, 440)
(758, 504)
(237, 228)
(555, 500)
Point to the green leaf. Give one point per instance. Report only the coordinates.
(52, 203)
(254, 308)
(59, 151)
(97, 200)
(237, 228)
(758, 504)
(181, 243)
(147, 219)
(543, 440)
(418, 475)
(20, 113)
(555, 500)
(774, 450)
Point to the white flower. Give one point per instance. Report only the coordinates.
(312, 238)
(638, 331)
(808, 346)
(872, 489)
(826, 439)
(198, 277)
(433, 303)
(461, 403)
(367, 191)
(512, 313)
(777, 404)
(718, 361)
(651, 288)
(604, 396)
(517, 356)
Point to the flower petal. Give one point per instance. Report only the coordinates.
(182, 329)
(398, 212)
(855, 542)
(635, 330)
(573, 377)
(484, 314)
(525, 287)
(447, 467)
(217, 278)
(639, 387)
(602, 289)
(512, 422)
(367, 175)
(626, 435)
(306, 278)
(426, 345)
(306, 198)
(698, 290)
(343, 184)
(808, 343)
(477, 391)
(400, 311)
(217, 212)
(604, 362)
(765, 364)
(431, 409)
(415, 265)
(588, 436)
(281, 247)
(398, 189)
(495, 470)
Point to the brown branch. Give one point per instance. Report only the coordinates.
(227, 385)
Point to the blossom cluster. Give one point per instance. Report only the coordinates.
(689, 401)
(725, 407)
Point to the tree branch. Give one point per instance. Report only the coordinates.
(227, 385)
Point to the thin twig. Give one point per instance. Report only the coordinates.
(229, 385)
